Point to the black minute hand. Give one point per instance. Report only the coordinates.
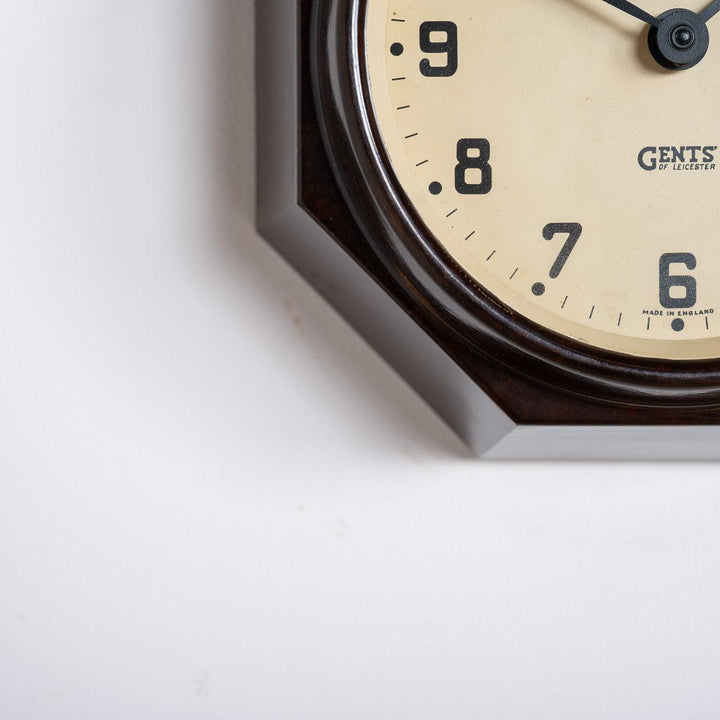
(638, 13)
(710, 11)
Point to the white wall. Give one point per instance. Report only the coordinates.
(217, 502)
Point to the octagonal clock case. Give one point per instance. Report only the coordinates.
(515, 203)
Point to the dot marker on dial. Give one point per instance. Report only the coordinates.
(397, 49)
(678, 325)
(538, 289)
(435, 188)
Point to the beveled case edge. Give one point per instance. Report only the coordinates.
(458, 398)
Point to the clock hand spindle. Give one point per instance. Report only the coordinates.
(637, 12)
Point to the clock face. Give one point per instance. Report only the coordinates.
(567, 172)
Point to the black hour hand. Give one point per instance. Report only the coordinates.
(637, 12)
(710, 11)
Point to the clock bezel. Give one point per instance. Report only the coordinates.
(429, 274)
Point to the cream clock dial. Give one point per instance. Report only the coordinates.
(546, 149)
(516, 203)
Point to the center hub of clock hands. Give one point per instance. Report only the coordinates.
(682, 37)
(678, 39)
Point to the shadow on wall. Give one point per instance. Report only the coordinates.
(248, 260)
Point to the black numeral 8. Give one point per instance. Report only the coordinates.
(473, 155)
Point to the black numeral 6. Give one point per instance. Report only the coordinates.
(668, 281)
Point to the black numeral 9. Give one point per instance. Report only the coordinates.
(448, 47)
(473, 155)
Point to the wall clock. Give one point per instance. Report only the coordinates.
(515, 202)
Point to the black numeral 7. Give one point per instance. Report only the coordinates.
(573, 231)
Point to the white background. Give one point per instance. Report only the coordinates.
(217, 502)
